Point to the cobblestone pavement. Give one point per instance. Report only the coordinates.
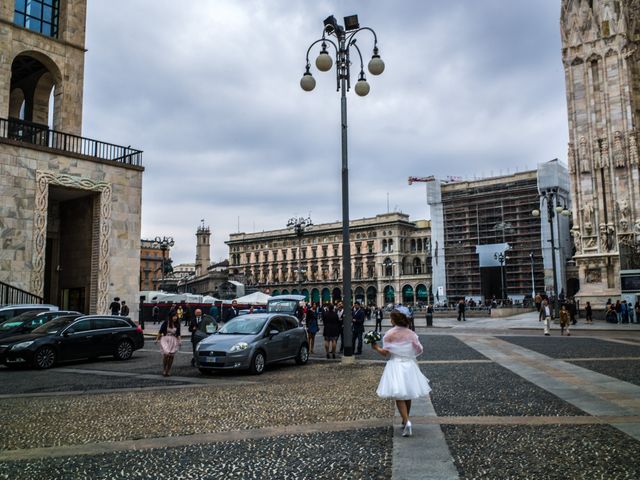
(109, 419)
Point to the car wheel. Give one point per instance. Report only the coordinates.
(258, 363)
(124, 350)
(303, 354)
(44, 358)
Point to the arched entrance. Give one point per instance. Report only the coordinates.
(326, 295)
(275, 293)
(407, 294)
(35, 80)
(285, 292)
(389, 294)
(305, 292)
(315, 295)
(372, 295)
(336, 294)
(422, 294)
(295, 292)
(359, 295)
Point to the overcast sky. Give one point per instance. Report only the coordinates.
(209, 89)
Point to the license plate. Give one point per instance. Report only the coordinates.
(211, 359)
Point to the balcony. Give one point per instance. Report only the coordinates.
(42, 136)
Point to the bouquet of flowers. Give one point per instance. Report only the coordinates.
(372, 337)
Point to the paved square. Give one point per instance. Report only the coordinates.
(507, 406)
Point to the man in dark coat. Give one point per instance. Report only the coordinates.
(358, 327)
(200, 327)
(115, 306)
(461, 310)
(230, 312)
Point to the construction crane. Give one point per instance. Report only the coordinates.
(432, 178)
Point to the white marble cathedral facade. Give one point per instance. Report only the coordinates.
(601, 61)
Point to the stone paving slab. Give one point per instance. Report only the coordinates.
(436, 348)
(354, 454)
(549, 452)
(43, 382)
(592, 392)
(490, 389)
(573, 347)
(625, 370)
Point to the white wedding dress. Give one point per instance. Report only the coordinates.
(402, 378)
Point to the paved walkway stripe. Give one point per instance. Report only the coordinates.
(149, 376)
(186, 440)
(100, 391)
(592, 392)
(426, 455)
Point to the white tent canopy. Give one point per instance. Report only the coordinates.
(256, 298)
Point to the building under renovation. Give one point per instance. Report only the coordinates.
(487, 243)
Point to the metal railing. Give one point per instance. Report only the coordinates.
(42, 135)
(10, 295)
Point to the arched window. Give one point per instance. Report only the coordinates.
(387, 268)
(417, 266)
(389, 294)
(384, 245)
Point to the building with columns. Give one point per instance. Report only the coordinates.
(601, 57)
(69, 206)
(391, 260)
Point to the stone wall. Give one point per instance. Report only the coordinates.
(25, 175)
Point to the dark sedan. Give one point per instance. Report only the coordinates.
(29, 321)
(71, 338)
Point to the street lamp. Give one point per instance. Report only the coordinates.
(533, 279)
(502, 258)
(550, 196)
(345, 36)
(299, 225)
(164, 243)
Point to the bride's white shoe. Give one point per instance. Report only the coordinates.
(406, 431)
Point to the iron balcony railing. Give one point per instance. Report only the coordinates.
(11, 295)
(42, 135)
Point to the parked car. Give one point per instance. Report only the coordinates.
(253, 341)
(28, 321)
(7, 312)
(71, 338)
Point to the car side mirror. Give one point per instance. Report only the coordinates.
(273, 333)
(67, 332)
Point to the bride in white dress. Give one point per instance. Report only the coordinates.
(402, 379)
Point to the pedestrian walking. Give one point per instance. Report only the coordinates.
(200, 327)
(402, 379)
(124, 309)
(311, 319)
(340, 312)
(331, 330)
(624, 312)
(565, 320)
(618, 309)
(588, 313)
(180, 313)
(155, 314)
(545, 315)
(637, 310)
(115, 306)
(169, 338)
(379, 315)
(461, 311)
(429, 315)
(357, 322)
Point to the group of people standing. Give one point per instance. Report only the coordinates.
(119, 307)
(332, 316)
(622, 312)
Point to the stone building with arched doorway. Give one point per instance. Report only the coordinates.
(69, 205)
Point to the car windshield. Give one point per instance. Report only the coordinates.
(17, 321)
(243, 326)
(282, 306)
(54, 326)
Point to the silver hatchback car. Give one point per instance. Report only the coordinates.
(252, 341)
